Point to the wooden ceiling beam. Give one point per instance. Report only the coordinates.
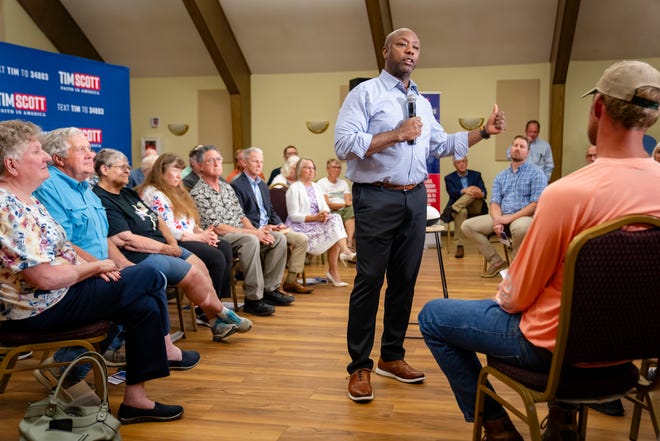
(213, 26)
(560, 58)
(60, 28)
(380, 23)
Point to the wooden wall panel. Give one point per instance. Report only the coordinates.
(519, 99)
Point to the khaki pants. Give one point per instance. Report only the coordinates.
(465, 207)
(262, 265)
(478, 228)
(297, 250)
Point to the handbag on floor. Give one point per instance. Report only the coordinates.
(53, 419)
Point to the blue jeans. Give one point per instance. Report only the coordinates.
(79, 372)
(456, 330)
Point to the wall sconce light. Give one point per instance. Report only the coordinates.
(317, 126)
(471, 122)
(178, 129)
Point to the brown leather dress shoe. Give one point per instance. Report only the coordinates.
(494, 269)
(501, 429)
(296, 288)
(359, 386)
(560, 424)
(460, 252)
(399, 370)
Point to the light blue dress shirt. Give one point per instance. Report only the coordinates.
(380, 105)
(263, 213)
(540, 154)
(80, 212)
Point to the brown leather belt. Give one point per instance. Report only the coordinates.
(395, 187)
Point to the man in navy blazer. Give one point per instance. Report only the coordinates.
(467, 193)
(254, 196)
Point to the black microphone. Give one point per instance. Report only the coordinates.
(412, 111)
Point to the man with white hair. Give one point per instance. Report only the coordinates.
(253, 194)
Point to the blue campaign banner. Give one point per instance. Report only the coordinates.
(432, 163)
(54, 90)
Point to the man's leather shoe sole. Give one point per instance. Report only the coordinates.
(359, 386)
(399, 370)
(297, 288)
(258, 307)
(277, 298)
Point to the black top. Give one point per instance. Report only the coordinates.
(190, 180)
(127, 212)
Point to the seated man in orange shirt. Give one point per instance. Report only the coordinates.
(521, 323)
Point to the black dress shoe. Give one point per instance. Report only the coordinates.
(275, 297)
(161, 412)
(611, 408)
(258, 307)
(189, 359)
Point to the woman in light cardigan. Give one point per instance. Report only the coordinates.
(310, 214)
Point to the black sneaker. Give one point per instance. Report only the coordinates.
(201, 318)
(275, 297)
(258, 307)
(611, 408)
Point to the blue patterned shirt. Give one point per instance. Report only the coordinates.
(514, 191)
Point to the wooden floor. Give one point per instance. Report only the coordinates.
(286, 379)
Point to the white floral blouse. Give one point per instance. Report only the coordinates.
(161, 205)
(29, 236)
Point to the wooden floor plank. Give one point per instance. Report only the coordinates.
(285, 380)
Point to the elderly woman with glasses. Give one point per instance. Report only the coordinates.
(46, 286)
(142, 235)
(310, 214)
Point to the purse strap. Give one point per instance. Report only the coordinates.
(85, 357)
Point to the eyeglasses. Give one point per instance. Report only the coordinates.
(308, 167)
(214, 160)
(124, 167)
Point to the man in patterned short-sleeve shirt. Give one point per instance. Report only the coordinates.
(261, 252)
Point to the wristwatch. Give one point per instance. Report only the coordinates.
(484, 133)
